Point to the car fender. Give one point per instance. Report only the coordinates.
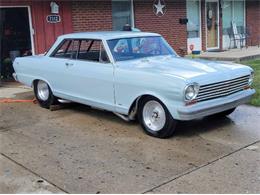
(170, 104)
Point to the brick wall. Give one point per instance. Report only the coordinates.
(253, 19)
(97, 15)
(91, 15)
(167, 25)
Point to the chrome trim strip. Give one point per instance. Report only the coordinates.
(227, 81)
(225, 85)
(219, 95)
(222, 89)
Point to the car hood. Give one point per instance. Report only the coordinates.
(190, 70)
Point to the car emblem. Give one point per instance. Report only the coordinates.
(159, 7)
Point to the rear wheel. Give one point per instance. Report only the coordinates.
(155, 118)
(44, 94)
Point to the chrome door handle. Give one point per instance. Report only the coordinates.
(69, 64)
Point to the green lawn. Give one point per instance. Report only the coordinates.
(255, 64)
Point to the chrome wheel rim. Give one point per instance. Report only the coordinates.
(154, 115)
(43, 90)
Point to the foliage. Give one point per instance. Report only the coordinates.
(255, 64)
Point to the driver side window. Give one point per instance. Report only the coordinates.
(68, 49)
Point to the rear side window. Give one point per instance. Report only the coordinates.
(92, 50)
(68, 49)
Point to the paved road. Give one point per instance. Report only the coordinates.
(82, 150)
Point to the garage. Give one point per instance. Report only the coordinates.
(15, 36)
(25, 29)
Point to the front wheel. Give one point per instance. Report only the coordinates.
(44, 94)
(155, 118)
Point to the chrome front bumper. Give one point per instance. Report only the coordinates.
(207, 108)
(15, 76)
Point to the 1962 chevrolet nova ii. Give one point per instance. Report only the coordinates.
(134, 75)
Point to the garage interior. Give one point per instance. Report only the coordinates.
(15, 39)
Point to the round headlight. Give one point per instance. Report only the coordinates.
(191, 91)
(251, 78)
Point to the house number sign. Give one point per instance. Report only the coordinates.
(53, 18)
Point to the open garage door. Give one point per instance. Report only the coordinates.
(15, 37)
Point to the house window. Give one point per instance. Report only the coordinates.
(238, 16)
(121, 13)
(193, 15)
(233, 10)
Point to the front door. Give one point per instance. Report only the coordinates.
(90, 75)
(212, 24)
(80, 71)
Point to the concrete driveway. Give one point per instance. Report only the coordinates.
(81, 150)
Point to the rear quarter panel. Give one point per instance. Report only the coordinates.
(28, 69)
(43, 68)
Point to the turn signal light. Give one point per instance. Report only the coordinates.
(191, 102)
(247, 87)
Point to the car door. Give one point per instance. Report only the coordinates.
(89, 75)
(56, 65)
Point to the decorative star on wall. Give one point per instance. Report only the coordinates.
(159, 7)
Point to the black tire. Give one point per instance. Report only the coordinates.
(49, 101)
(224, 113)
(169, 126)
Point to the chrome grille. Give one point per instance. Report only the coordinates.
(221, 89)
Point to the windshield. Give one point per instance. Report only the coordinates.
(139, 47)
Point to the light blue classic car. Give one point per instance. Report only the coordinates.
(134, 75)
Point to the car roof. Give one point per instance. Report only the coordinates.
(107, 35)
